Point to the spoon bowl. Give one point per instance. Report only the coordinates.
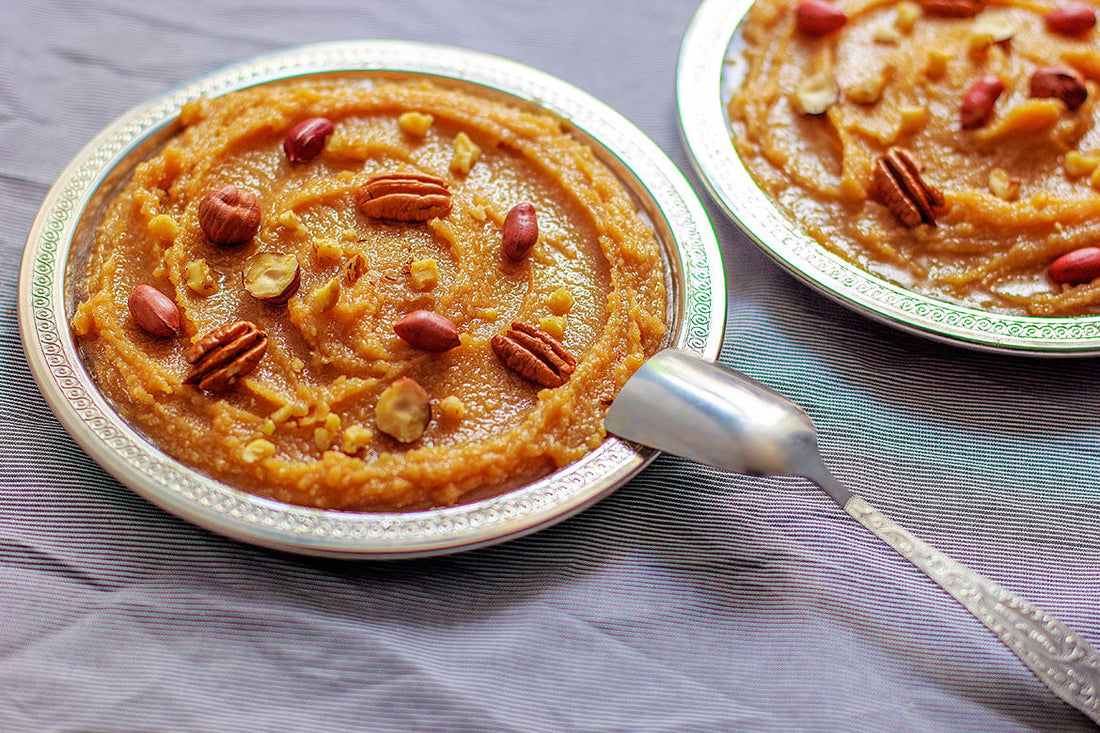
(681, 404)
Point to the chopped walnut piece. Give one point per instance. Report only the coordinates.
(560, 302)
(354, 268)
(466, 153)
(258, 450)
(451, 409)
(326, 296)
(416, 124)
(163, 227)
(815, 94)
(1078, 164)
(355, 439)
(908, 13)
(1004, 186)
(327, 249)
(423, 274)
(199, 278)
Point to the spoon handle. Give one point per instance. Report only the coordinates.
(1058, 656)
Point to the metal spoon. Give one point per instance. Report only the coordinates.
(681, 404)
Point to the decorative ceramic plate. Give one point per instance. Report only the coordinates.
(710, 69)
(60, 240)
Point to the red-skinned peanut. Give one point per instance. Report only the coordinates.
(977, 105)
(154, 312)
(1074, 19)
(1076, 267)
(306, 140)
(428, 331)
(818, 17)
(521, 231)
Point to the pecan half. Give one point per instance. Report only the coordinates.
(953, 8)
(225, 354)
(534, 354)
(899, 186)
(404, 197)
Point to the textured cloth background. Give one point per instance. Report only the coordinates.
(691, 600)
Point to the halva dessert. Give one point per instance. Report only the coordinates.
(370, 294)
(950, 146)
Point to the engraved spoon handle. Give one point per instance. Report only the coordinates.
(680, 403)
(1058, 656)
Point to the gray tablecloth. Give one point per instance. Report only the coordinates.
(690, 600)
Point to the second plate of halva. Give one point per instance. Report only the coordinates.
(930, 164)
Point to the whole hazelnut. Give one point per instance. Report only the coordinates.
(154, 312)
(229, 215)
(306, 140)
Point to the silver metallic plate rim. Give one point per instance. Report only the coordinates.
(189, 494)
(705, 81)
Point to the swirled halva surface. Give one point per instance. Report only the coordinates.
(301, 428)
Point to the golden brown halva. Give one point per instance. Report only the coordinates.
(949, 146)
(370, 294)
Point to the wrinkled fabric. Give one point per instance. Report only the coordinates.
(690, 600)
